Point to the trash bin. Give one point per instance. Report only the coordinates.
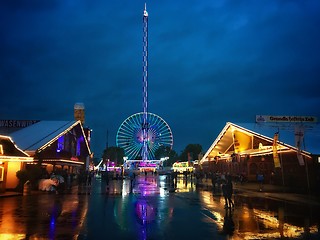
(27, 188)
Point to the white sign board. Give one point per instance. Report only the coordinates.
(293, 119)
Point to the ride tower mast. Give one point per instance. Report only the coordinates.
(145, 126)
(143, 133)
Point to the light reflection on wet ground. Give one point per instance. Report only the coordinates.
(152, 211)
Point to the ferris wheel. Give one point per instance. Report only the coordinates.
(130, 135)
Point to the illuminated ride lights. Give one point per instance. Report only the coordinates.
(130, 135)
(143, 133)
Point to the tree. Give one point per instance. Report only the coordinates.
(191, 151)
(166, 151)
(33, 173)
(114, 154)
(22, 175)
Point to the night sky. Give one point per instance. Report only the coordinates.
(210, 62)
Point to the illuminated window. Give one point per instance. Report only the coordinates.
(78, 150)
(60, 144)
(1, 149)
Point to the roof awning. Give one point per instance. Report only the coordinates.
(62, 162)
(242, 140)
(15, 159)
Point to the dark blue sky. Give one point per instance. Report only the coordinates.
(210, 62)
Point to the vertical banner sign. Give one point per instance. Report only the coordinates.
(299, 134)
(275, 151)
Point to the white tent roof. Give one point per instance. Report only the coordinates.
(266, 131)
(10, 149)
(39, 134)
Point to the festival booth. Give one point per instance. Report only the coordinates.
(142, 166)
(12, 159)
(56, 145)
(182, 167)
(286, 154)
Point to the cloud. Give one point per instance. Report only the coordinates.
(209, 62)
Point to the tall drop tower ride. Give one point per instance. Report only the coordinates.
(145, 85)
(143, 133)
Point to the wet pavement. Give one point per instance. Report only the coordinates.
(152, 209)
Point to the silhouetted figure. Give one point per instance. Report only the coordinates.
(229, 191)
(69, 181)
(132, 176)
(224, 193)
(175, 179)
(171, 179)
(213, 181)
(260, 179)
(107, 178)
(89, 178)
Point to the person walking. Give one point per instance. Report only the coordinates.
(213, 181)
(230, 191)
(224, 193)
(260, 179)
(227, 190)
(132, 176)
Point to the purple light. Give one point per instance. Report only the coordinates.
(145, 164)
(145, 212)
(60, 143)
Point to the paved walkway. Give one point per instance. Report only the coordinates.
(269, 191)
(10, 194)
(248, 189)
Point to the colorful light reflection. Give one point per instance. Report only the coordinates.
(145, 211)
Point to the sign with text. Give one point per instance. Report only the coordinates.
(294, 119)
(17, 123)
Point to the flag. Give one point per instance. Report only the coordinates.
(275, 150)
(299, 134)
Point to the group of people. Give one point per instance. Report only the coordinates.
(57, 181)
